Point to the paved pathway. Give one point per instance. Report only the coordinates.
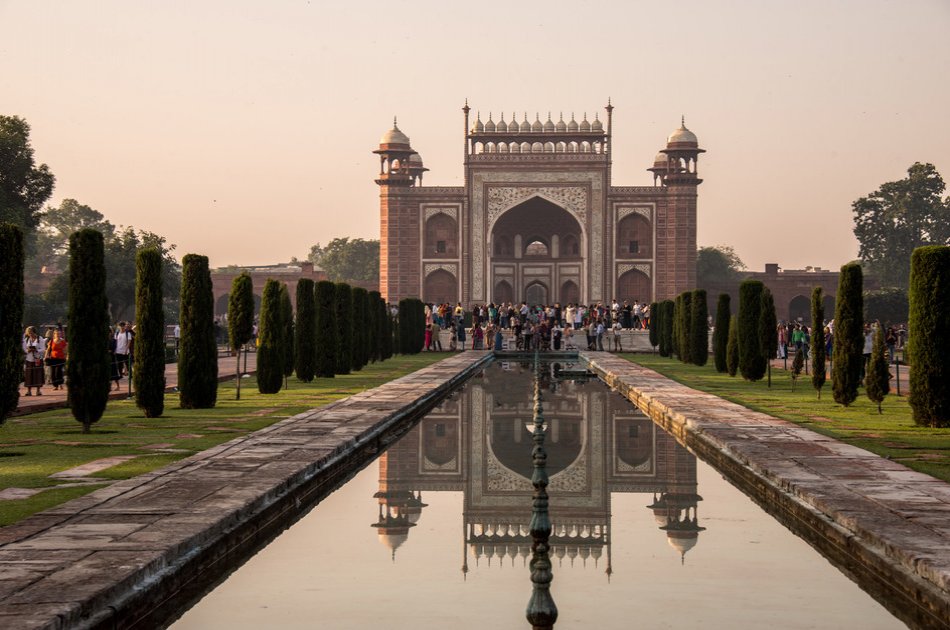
(56, 399)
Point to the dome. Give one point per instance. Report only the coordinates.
(394, 136)
(525, 125)
(597, 125)
(502, 126)
(490, 125)
(478, 126)
(561, 125)
(536, 125)
(682, 543)
(572, 126)
(682, 136)
(585, 126)
(415, 159)
(548, 125)
(661, 159)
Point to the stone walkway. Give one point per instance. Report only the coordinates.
(111, 557)
(887, 524)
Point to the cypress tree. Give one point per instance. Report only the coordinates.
(929, 342)
(849, 335)
(198, 348)
(685, 341)
(149, 355)
(667, 308)
(797, 366)
(376, 327)
(419, 326)
(344, 328)
(88, 369)
(817, 340)
(11, 317)
(677, 311)
(752, 363)
(240, 320)
(654, 329)
(327, 348)
(388, 348)
(403, 324)
(877, 381)
(699, 328)
(732, 346)
(768, 331)
(721, 333)
(271, 337)
(359, 328)
(305, 331)
(288, 345)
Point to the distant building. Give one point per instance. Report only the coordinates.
(289, 273)
(538, 218)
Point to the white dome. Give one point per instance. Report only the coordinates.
(478, 126)
(561, 125)
(415, 159)
(502, 126)
(490, 125)
(549, 125)
(585, 126)
(682, 135)
(536, 125)
(682, 545)
(572, 126)
(393, 541)
(597, 125)
(660, 159)
(394, 136)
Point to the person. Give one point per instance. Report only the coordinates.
(34, 348)
(499, 338)
(123, 346)
(453, 342)
(116, 374)
(428, 342)
(56, 359)
(436, 341)
(782, 341)
(890, 340)
(618, 347)
(477, 336)
(461, 333)
(556, 333)
(868, 348)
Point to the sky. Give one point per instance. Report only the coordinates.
(244, 130)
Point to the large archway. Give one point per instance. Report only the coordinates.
(570, 293)
(634, 285)
(503, 293)
(440, 287)
(536, 293)
(799, 309)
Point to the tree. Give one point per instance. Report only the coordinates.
(88, 369)
(721, 332)
(848, 353)
(752, 363)
(897, 218)
(716, 266)
(375, 326)
(305, 354)
(675, 326)
(877, 383)
(344, 328)
(698, 328)
(24, 186)
(270, 359)
(287, 343)
(359, 328)
(348, 260)
(889, 306)
(768, 331)
(654, 329)
(198, 348)
(327, 347)
(667, 308)
(54, 228)
(797, 365)
(684, 341)
(929, 342)
(386, 341)
(11, 317)
(149, 355)
(732, 347)
(817, 340)
(240, 320)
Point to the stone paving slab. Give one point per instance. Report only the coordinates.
(110, 557)
(893, 521)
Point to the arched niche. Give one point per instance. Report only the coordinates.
(570, 293)
(441, 237)
(634, 285)
(536, 219)
(536, 293)
(440, 286)
(221, 305)
(799, 308)
(634, 237)
(503, 293)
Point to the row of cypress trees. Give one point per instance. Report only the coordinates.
(682, 327)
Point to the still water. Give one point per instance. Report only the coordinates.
(433, 535)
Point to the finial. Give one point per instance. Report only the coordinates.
(596, 115)
(526, 116)
(466, 102)
(537, 116)
(608, 102)
(503, 117)
(585, 115)
(572, 115)
(562, 116)
(683, 120)
(549, 116)
(478, 115)
(394, 123)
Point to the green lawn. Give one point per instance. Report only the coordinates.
(893, 434)
(35, 446)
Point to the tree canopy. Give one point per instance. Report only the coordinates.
(24, 186)
(347, 260)
(717, 264)
(897, 218)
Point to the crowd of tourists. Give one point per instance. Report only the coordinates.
(797, 336)
(595, 326)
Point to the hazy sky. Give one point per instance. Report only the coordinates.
(243, 130)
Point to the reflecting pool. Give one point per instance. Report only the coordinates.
(434, 534)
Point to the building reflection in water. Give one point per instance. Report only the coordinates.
(479, 442)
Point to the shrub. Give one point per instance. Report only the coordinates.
(270, 358)
(877, 380)
(848, 351)
(929, 342)
(198, 349)
(817, 340)
(752, 363)
(698, 328)
(149, 355)
(88, 368)
(721, 333)
(654, 329)
(305, 331)
(344, 328)
(732, 347)
(327, 347)
(11, 317)
(240, 320)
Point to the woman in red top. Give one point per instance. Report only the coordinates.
(56, 359)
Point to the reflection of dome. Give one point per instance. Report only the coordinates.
(682, 136)
(682, 541)
(393, 540)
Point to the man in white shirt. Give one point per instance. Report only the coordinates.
(123, 346)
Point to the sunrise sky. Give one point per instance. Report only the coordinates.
(243, 130)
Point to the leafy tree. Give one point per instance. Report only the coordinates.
(24, 186)
(198, 348)
(270, 357)
(359, 328)
(877, 380)
(149, 355)
(326, 329)
(11, 317)
(768, 331)
(897, 218)
(348, 260)
(721, 332)
(817, 340)
(240, 320)
(848, 353)
(344, 328)
(305, 337)
(88, 369)
(732, 347)
(717, 265)
(698, 328)
(54, 228)
(287, 325)
(752, 362)
(889, 306)
(929, 342)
